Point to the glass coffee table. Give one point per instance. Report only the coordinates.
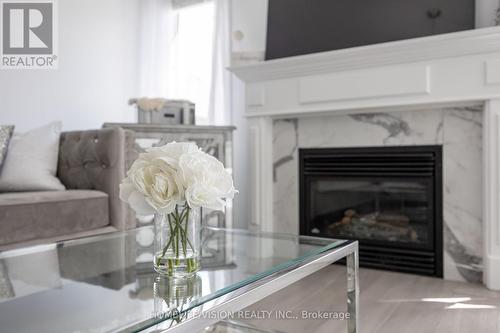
(106, 283)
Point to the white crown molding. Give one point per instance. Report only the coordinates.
(479, 41)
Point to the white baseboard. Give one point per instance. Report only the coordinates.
(491, 276)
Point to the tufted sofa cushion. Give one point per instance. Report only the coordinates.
(97, 160)
(26, 216)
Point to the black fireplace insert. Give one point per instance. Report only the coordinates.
(387, 198)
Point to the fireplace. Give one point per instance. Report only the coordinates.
(387, 198)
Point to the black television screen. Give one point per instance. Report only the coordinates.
(298, 27)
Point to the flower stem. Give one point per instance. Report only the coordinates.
(177, 234)
(173, 231)
(186, 228)
(178, 224)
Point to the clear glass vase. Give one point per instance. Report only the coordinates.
(177, 242)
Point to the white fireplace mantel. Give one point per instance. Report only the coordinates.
(452, 69)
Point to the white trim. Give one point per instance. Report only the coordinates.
(491, 194)
(493, 71)
(491, 272)
(261, 159)
(400, 81)
(479, 41)
(452, 80)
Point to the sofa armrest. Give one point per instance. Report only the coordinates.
(98, 160)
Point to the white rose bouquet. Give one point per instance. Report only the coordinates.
(172, 181)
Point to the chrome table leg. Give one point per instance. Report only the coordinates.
(352, 291)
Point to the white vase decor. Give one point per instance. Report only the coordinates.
(173, 182)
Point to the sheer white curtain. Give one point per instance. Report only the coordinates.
(190, 57)
(157, 30)
(219, 105)
(169, 55)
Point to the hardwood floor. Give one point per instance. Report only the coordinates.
(389, 302)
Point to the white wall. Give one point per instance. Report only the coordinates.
(486, 12)
(97, 70)
(250, 18)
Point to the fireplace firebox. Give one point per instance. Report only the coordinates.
(387, 198)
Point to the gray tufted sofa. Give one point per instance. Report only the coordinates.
(91, 166)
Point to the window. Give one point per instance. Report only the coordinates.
(190, 57)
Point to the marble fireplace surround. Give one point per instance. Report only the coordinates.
(457, 129)
(454, 70)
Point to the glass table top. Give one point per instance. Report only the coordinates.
(106, 283)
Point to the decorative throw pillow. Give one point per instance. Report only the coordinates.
(31, 163)
(5, 134)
